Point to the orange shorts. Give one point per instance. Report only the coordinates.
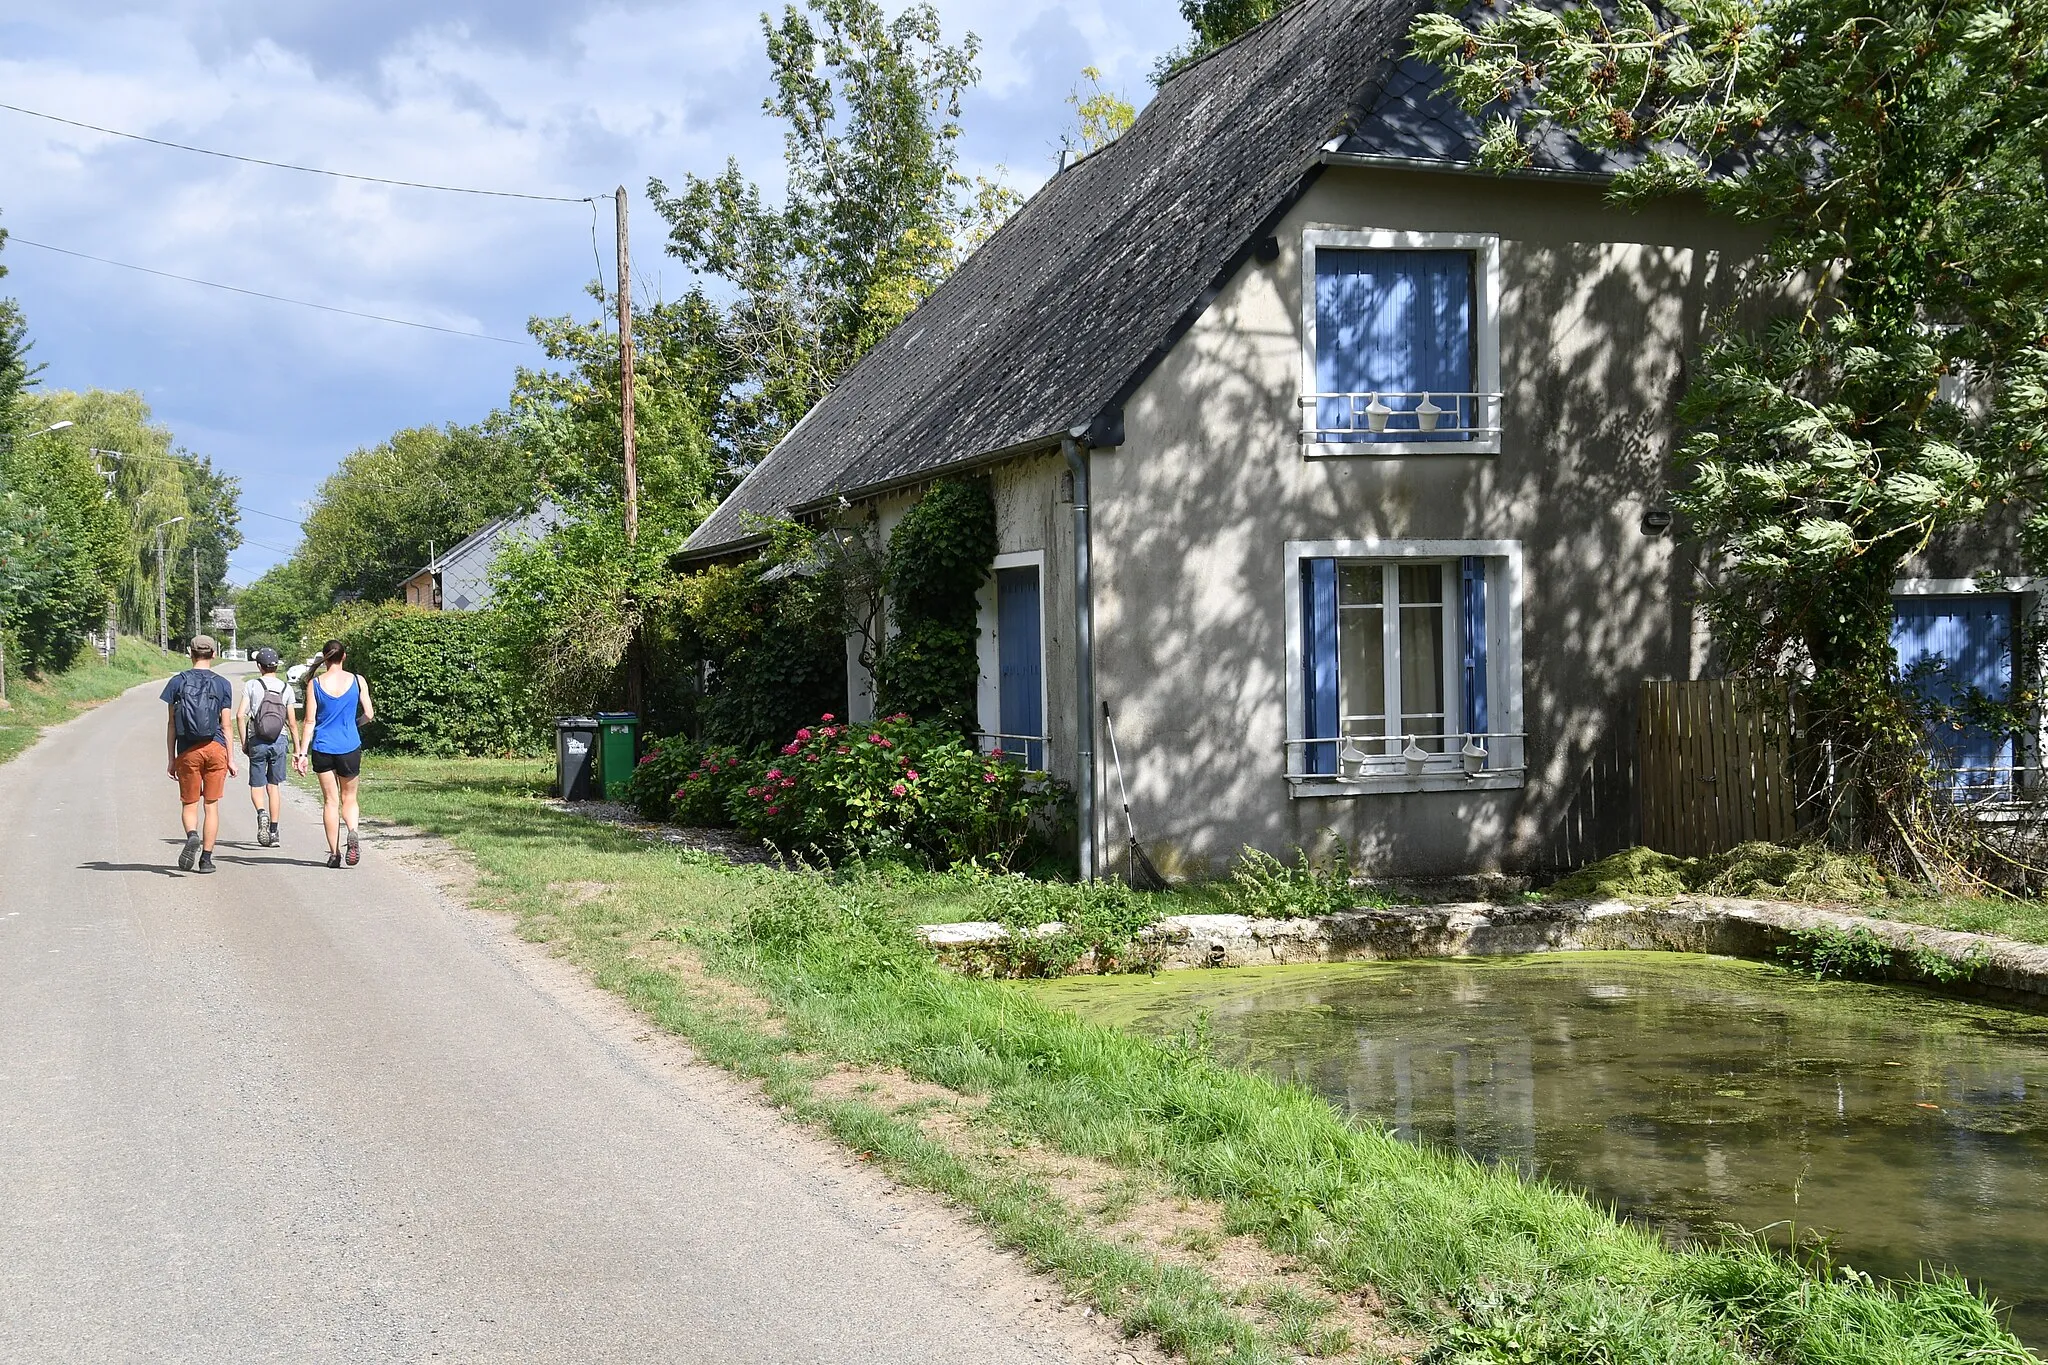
(202, 773)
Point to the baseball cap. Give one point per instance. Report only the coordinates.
(266, 657)
(203, 644)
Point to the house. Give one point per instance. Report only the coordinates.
(460, 580)
(1332, 467)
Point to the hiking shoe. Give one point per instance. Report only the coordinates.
(263, 829)
(206, 862)
(355, 855)
(334, 860)
(189, 854)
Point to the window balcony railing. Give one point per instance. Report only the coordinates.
(1379, 757)
(1030, 750)
(1370, 418)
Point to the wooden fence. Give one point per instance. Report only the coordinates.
(1717, 765)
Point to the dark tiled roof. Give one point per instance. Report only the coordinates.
(1060, 314)
(1415, 118)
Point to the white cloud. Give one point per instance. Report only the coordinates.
(564, 97)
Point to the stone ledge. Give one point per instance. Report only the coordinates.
(2002, 968)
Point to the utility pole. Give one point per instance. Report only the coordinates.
(195, 590)
(163, 639)
(635, 682)
(626, 378)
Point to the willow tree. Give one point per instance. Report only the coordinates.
(1897, 158)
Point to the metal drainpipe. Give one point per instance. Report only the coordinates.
(1084, 659)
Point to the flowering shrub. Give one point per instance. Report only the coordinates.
(703, 795)
(652, 788)
(892, 786)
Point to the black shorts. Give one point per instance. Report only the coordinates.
(349, 764)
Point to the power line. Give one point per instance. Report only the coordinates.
(289, 166)
(289, 521)
(274, 298)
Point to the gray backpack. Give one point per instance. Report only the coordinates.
(268, 722)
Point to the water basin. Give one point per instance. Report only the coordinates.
(1686, 1091)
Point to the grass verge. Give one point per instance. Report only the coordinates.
(36, 703)
(792, 978)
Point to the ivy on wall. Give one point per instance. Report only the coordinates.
(939, 556)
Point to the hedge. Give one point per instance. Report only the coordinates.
(442, 683)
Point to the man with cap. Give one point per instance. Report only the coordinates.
(196, 736)
(267, 728)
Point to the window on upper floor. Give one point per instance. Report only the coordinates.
(1403, 349)
(1405, 670)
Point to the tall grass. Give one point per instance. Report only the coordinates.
(1489, 1266)
(34, 703)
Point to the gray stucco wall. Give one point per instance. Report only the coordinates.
(1598, 310)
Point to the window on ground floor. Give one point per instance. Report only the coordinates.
(1956, 652)
(1012, 655)
(1405, 665)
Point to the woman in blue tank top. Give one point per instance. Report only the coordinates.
(335, 698)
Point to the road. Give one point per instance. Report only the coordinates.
(283, 1113)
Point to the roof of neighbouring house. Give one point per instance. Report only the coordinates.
(537, 522)
(1056, 319)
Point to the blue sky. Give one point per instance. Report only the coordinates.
(567, 97)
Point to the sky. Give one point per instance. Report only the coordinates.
(548, 97)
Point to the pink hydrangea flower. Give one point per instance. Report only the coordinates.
(996, 752)
(753, 791)
(827, 717)
(901, 715)
(990, 778)
(844, 750)
(788, 782)
(732, 763)
(804, 733)
(810, 758)
(645, 759)
(774, 773)
(899, 790)
(789, 749)
(775, 810)
(911, 775)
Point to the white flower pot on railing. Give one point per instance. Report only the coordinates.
(1377, 413)
(1474, 754)
(1416, 756)
(1427, 413)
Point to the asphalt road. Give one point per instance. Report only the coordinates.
(284, 1113)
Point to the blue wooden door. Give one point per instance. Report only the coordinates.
(1021, 661)
(1948, 648)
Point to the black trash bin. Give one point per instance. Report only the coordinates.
(576, 757)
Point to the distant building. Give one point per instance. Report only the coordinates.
(460, 580)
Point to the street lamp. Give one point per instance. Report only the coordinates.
(163, 641)
(30, 436)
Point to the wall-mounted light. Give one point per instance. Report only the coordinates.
(1657, 521)
(1268, 250)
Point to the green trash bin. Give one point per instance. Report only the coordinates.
(618, 747)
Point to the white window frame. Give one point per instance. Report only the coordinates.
(1507, 742)
(2030, 754)
(988, 656)
(1485, 249)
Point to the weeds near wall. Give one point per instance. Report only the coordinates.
(1263, 887)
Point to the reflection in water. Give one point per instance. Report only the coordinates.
(1686, 1091)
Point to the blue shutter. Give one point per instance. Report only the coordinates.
(1947, 648)
(1394, 322)
(1020, 661)
(1319, 664)
(1472, 610)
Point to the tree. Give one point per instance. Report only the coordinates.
(275, 609)
(147, 487)
(67, 519)
(687, 406)
(1216, 23)
(1899, 161)
(873, 217)
(376, 520)
(212, 532)
(1100, 116)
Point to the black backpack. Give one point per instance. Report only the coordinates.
(268, 722)
(197, 713)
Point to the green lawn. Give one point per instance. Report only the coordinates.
(796, 979)
(2026, 921)
(34, 703)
